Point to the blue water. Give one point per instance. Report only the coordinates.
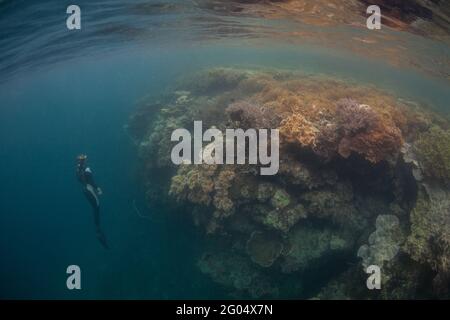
(46, 224)
(79, 103)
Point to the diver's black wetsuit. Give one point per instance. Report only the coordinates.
(84, 175)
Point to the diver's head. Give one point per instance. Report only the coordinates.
(81, 159)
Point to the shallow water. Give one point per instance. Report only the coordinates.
(63, 93)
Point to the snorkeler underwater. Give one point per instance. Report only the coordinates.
(225, 150)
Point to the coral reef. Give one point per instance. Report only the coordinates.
(249, 115)
(354, 117)
(429, 240)
(194, 183)
(296, 128)
(433, 152)
(306, 246)
(351, 157)
(305, 176)
(333, 204)
(206, 185)
(384, 242)
(283, 220)
(356, 128)
(366, 133)
(263, 249)
(236, 272)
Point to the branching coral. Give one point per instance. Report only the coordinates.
(250, 115)
(283, 220)
(356, 128)
(140, 121)
(354, 117)
(378, 144)
(429, 241)
(297, 129)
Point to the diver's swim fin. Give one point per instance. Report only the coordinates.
(101, 237)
